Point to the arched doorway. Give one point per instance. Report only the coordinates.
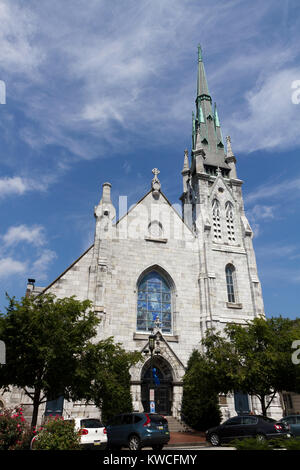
(163, 391)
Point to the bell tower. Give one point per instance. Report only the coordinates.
(212, 204)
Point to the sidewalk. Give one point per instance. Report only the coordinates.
(187, 439)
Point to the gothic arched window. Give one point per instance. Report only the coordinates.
(216, 220)
(230, 282)
(154, 300)
(230, 221)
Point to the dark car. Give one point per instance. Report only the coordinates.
(241, 427)
(292, 422)
(137, 430)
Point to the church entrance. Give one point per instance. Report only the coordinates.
(157, 377)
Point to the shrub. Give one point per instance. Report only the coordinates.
(250, 443)
(57, 434)
(254, 444)
(15, 434)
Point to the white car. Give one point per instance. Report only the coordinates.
(92, 433)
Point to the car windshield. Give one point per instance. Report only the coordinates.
(91, 423)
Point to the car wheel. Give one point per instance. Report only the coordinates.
(158, 447)
(134, 443)
(214, 440)
(261, 437)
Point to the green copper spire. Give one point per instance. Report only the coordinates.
(199, 53)
(202, 88)
(207, 135)
(217, 121)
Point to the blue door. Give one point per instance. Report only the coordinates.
(241, 403)
(55, 407)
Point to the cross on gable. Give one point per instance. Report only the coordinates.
(156, 172)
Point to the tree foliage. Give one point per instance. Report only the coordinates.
(255, 358)
(49, 352)
(200, 406)
(104, 378)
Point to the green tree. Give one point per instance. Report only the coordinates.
(255, 358)
(200, 404)
(104, 378)
(45, 337)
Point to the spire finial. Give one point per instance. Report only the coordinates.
(229, 148)
(186, 160)
(199, 53)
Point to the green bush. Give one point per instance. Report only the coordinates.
(290, 444)
(57, 434)
(254, 444)
(250, 443)
(15, 434)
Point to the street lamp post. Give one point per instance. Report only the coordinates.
(151, 342)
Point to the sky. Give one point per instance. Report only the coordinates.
(104, 91)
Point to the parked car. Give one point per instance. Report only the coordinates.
(137, 430)
(241, 427)
(92, 433)
(293, 424)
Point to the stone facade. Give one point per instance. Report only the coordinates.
(205, 257)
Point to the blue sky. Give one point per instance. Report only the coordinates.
(103, 91)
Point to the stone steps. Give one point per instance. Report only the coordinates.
(176, 426)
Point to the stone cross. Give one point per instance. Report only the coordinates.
(155, 183)
(156, 172)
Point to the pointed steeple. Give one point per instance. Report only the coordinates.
(207, 136)
(202, 88)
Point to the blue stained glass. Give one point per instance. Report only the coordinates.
(142, 305)
(153, 287)
(166, 317)
(143, 286)
(166, 297)
(154, 297)
(153, 306)
(166, 307)
(142, 296)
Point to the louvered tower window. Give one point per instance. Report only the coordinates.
(230, 221)
(216, 220)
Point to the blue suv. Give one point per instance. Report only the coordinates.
(137, 430)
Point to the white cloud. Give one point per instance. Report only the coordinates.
(34, 235)
(270, 119)
(290, 188)
(100, 73)
(19, 185)
(10, 267)
(30, 243)
(41, 264)
(260, 211)
(14, 185)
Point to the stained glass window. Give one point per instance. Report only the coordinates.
(154, 300)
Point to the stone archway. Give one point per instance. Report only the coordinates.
(163, 392)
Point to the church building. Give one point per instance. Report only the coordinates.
(159, 279)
